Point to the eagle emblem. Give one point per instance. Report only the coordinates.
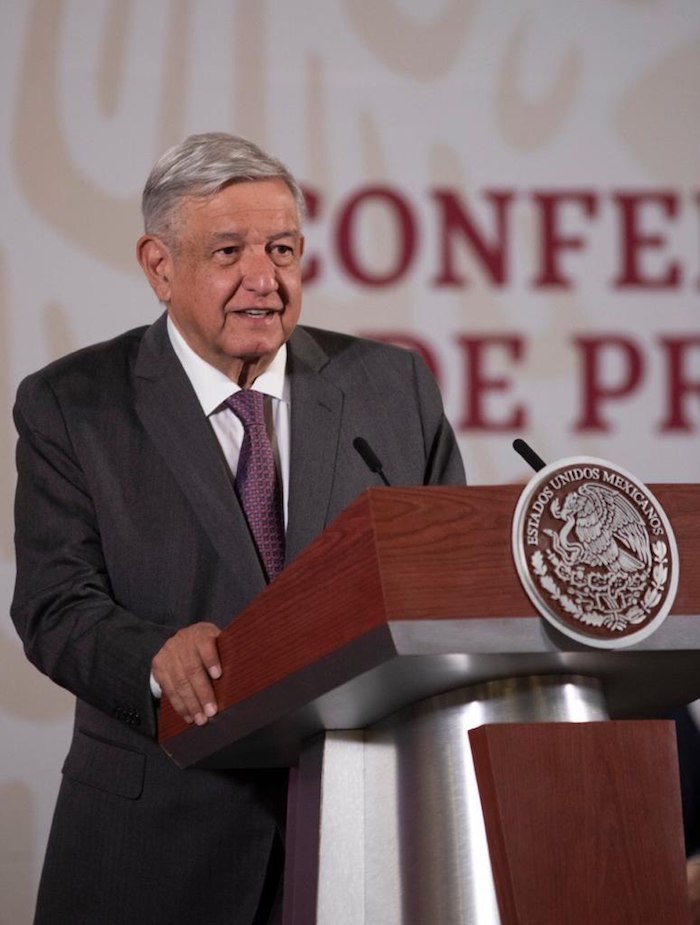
(595, 552)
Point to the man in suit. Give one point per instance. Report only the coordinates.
(133, 548)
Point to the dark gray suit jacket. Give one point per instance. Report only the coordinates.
(128, 528)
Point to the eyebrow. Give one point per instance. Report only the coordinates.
(291, 233)
(219, 236)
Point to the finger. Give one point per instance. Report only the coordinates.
(200, 692)
(208, 649)
(177, 702)
(194, 689)
(202, 663)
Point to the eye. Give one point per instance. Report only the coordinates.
(282, 253)
(227, 254)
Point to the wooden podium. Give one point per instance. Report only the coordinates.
(399, 669)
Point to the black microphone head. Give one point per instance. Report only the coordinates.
(528, 454)
(367, 453)
(370, 458)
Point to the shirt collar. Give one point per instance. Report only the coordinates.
(212, 387)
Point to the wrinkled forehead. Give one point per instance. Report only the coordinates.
(263, 207)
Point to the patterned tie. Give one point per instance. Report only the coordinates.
(257, 485)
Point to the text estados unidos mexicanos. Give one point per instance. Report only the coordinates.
(639, 498)
(589, 474)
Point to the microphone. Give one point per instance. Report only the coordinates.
(370, 458)
(529, 455)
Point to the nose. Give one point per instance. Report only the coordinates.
(259, 274)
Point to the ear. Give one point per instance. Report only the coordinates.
(156, 263)
(302, 242)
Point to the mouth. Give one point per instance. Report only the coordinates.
(257, 312)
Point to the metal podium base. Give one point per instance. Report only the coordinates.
(386, 822)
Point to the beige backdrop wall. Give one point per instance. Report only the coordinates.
(510, 186)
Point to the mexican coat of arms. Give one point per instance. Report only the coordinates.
(595, 552)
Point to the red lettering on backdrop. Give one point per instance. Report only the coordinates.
(596, 388)
(312, 265)
(598, 385)
(494, 251)
(679, 383)
(409, 342)
(478, 384)
(454, 219)
(553, 240)
(405, 238)
(634, 241)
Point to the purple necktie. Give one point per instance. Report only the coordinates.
(257, 484)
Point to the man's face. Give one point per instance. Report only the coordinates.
(232, 283)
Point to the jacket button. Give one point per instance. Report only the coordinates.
(130, 717)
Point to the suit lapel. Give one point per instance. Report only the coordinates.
(173, 418)
(315, 428)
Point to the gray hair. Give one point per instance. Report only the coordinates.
(202, 165)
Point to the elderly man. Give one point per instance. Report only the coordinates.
(164, 478)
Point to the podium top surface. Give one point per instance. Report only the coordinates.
(408, 593)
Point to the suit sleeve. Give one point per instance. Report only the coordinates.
(444, 464)
(63, 607)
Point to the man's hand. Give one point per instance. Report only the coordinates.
(184, 666)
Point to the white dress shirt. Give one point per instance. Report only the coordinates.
(212, 388)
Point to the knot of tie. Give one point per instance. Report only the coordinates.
(257, 482)
(249, 406)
